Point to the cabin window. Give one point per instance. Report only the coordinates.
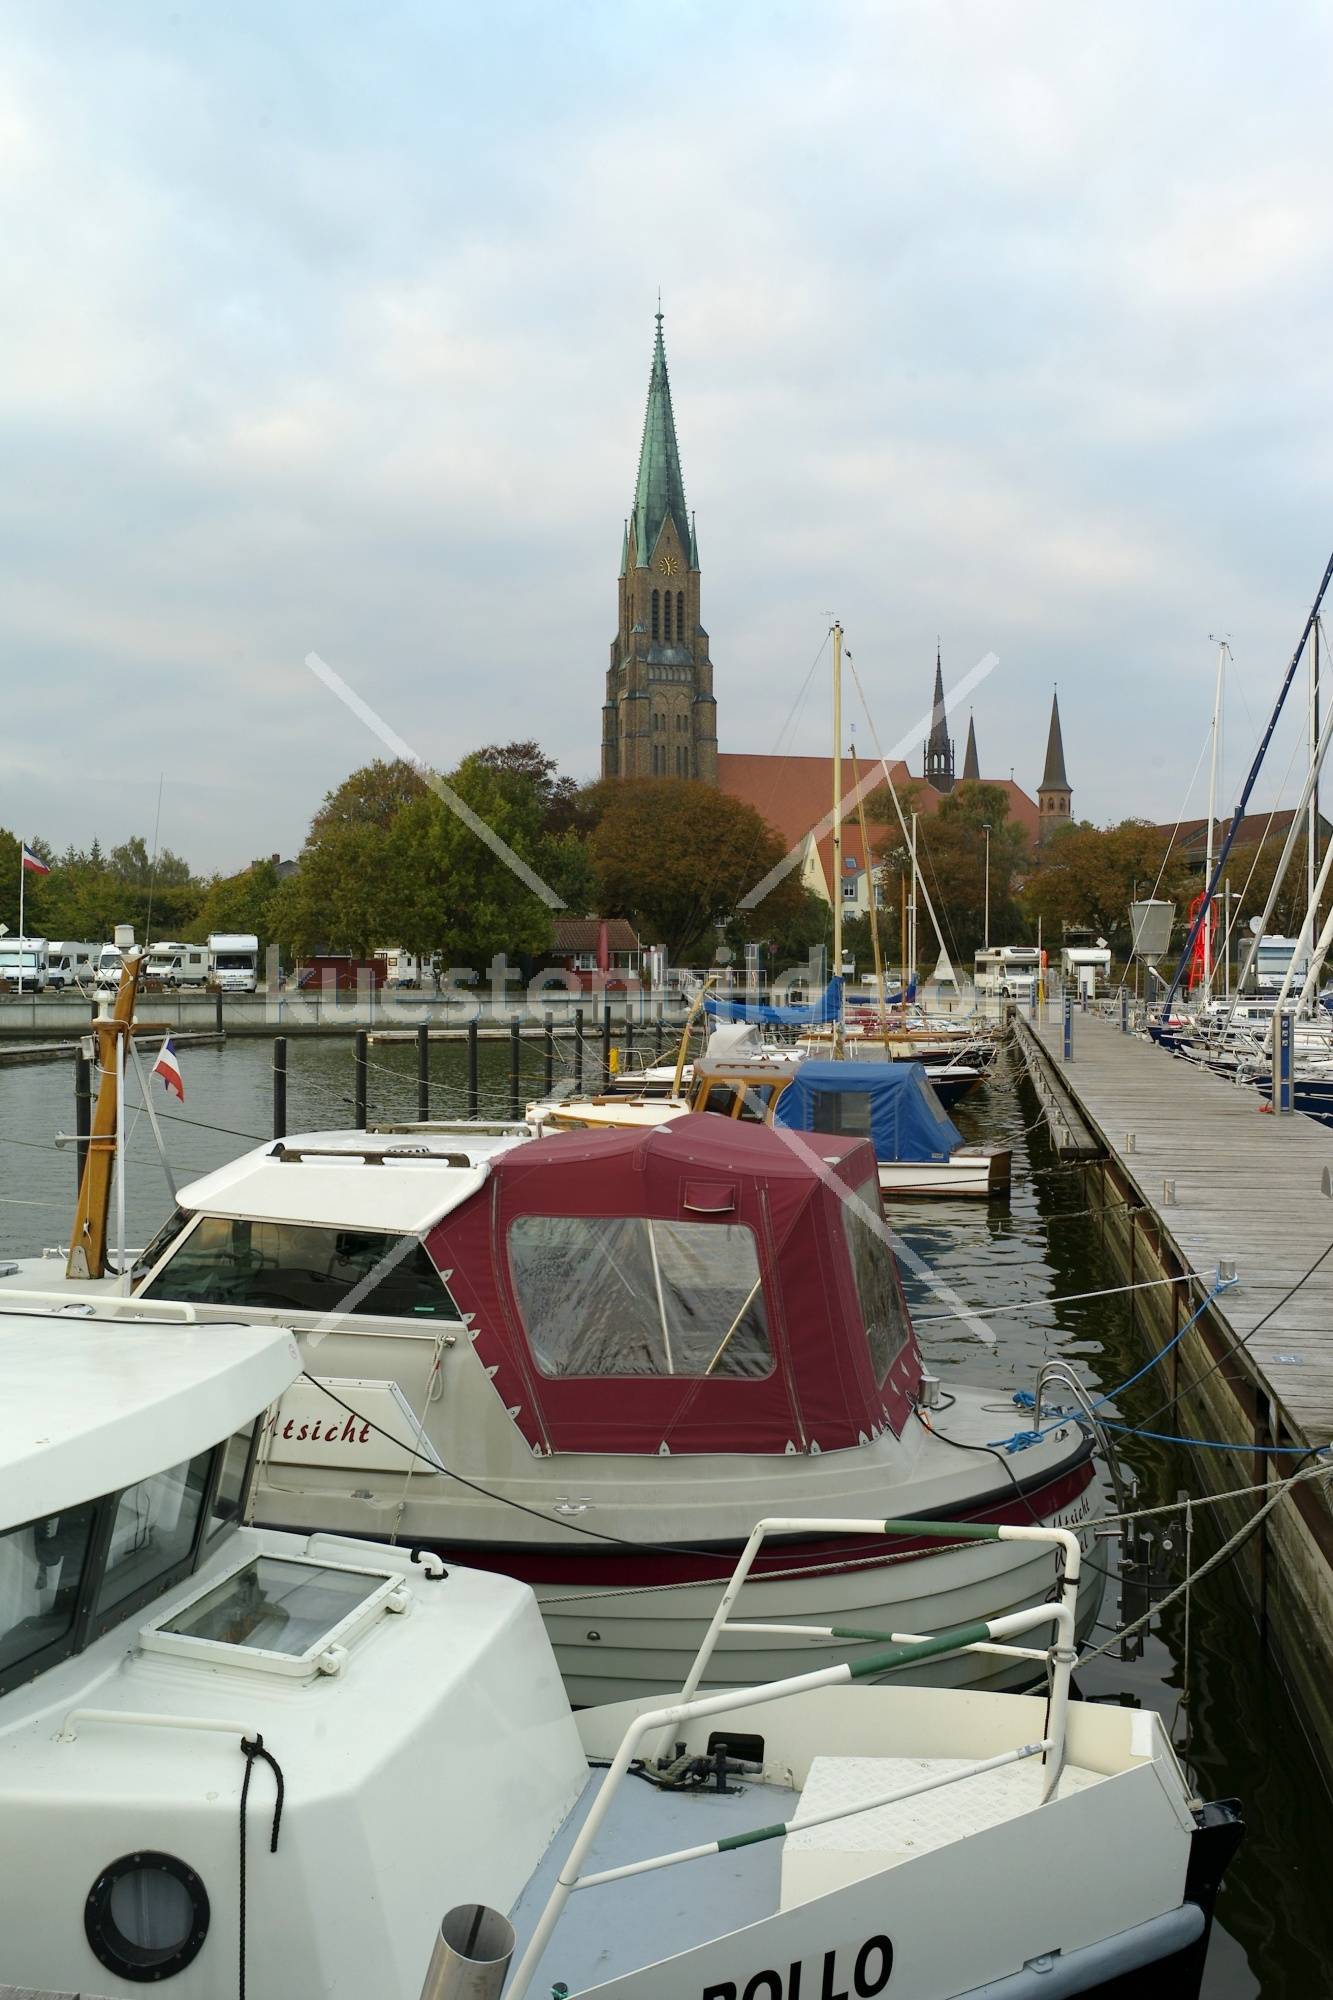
(295, 1267)
(846, 1111)
(41, 1568)
(229, 1499)
(877, 1287)
(153, 1532)
(629, 1295)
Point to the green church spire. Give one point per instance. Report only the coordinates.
(660, 489)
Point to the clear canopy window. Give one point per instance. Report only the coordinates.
(876, 1276)
(298, 1267)
(153, 1530)
(627, 1295)
(842, 1111)
(275, 1605)
(41, 1568)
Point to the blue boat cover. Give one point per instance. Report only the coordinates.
(891, 1103)
(828, 1007)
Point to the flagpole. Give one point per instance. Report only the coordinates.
(22, 885)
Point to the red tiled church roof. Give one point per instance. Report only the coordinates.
(795, 793)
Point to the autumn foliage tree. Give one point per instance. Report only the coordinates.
(679, 858)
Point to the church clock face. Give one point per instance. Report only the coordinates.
(668, 565)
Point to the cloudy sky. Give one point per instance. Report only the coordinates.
(328, 327)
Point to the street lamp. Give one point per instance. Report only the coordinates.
(986, 829)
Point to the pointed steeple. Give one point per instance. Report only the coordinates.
(1054, 797)
(1053, 778)
(938, 767)
(971, 765)
(660, 489)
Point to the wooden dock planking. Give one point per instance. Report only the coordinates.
(1248, 1188)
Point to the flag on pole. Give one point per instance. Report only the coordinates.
(33, 863)
(169, 1070)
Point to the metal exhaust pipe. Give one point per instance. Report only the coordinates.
(471, 1956)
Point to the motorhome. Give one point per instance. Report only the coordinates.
(233, 961)
(1009, 971)
(1084, 958)
(401, 968)
(110, 962)
(178, 964)
(70, 963)
(1274, 958)
(23, 962)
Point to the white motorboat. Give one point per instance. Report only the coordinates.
(242, 1762)
(595, 1360)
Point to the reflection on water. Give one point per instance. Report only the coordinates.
(1277, 1939)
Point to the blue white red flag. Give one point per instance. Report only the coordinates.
(33, 863)
(169, 1070)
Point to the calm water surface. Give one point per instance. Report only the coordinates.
(1276, 1937)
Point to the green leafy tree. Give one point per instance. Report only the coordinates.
(241, 902)
(1087, 876)
(677, 858)
(952, 856)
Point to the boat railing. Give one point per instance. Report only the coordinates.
(989, 1635)
(100, 1305)
(1061, 1374)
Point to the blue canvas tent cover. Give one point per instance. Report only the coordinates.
(828, 1007)
(891, 1102)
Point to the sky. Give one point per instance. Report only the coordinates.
(328, 329)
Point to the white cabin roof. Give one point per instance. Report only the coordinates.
(398, 1181)
(93, 1402)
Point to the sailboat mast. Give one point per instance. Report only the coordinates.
(837, 800)
(1312, 829)
(1212, 822)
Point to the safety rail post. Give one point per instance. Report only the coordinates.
(423, 1072)
(548, 1023)
(515, 1026)
(472, 1069)
(362, 1079)
(578, 1050)
(280, 1086)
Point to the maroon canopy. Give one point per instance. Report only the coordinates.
(700, 1286)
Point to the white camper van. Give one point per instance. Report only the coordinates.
(401, 968)
(110, 961)
(178, 964)
(70, 963)
(233, 961)
(23, 963)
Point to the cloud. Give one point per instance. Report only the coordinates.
(333, 330)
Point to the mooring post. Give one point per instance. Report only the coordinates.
(1068, 1034)
(217, 1009)
(471, 1069)
(578, 1049)
(359, 1107)
(280, 1086)
(1124, 1010)
(1284, 1095)
(423, 1072)
(548, 1080)
(514, 1051)
(83, 1108)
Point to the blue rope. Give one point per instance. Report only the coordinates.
(1220, 1444)
(1024, 1398)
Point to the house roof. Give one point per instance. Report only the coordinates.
(1193, 833)
(570, 934)
(794, 794)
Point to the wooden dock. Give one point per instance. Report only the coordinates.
(1193, 1173)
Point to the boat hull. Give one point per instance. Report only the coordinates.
(978, 1174)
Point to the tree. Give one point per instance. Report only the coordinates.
(450, 890)
(374, 795)
(677, 858)
(952, 854)
(240, 903)
(1088, 876)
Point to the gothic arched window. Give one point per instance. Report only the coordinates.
(666, 616)
(657, 599)
(680, 614)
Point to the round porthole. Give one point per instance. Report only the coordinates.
(146, 1916)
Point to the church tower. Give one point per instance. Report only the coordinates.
(938, 763)
(659, 719)
(1053, 793)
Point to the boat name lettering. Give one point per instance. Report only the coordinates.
(352, 1431)
(1079, 1510)
(870, 1975)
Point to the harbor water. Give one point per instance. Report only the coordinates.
(1205, 1671)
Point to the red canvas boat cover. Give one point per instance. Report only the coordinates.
(701, 1286)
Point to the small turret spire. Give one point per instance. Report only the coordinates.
(971, 764)
(1053, 778)
(938, 766)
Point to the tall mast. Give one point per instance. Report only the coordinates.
(1222, 650)
(837, 799)
(1312, 829)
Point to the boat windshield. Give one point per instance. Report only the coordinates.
(298, 1267)
(628, 1295)
(877, 1285)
